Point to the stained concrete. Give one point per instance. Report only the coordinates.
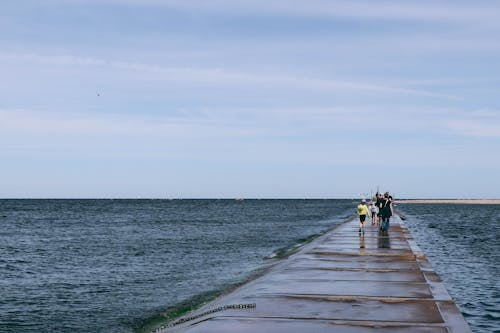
(341, 282)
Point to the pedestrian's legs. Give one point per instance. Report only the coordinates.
(362, 219)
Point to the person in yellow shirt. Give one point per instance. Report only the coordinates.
(363, 212)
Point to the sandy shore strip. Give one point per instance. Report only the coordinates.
(451, 201)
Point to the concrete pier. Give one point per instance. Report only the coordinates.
(341, 282)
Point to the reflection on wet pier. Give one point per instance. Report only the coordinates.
(341, 282)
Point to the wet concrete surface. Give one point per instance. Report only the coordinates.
(341, 282)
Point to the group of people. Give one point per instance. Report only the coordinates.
(379, 210)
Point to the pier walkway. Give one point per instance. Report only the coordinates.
(340, 282)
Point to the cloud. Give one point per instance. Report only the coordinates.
(224, 76)
(74, 124)
(304, 136)
(241, 78)
(483, 123)
(58, 60)
(461, 12)
(249, 123)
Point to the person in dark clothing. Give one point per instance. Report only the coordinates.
(379, 203)
(386, 211)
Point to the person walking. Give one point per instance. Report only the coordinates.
(373, 210)
(378, 203)
(363, 212)
(386, 212)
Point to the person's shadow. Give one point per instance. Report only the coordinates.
(383, 240)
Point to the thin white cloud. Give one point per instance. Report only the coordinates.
(477, 123)
(253, 123)
(58, 60)
(463, 12)
(223, 76)
(475, 128)
(70, 124)
(270, 136)
(228, 77)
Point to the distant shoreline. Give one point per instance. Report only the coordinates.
(451, 201)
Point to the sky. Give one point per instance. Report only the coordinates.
(249, 98)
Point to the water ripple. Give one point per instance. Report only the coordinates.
(109, 265)
(461, 242)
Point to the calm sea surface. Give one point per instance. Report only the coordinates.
(462, 243)
(114, 265)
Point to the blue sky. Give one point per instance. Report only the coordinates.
(254, 99)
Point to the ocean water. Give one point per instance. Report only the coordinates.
(117, 265)
(462, 243)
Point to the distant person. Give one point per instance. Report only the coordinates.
(379, 203)
(363, 212)
(373, 211)
(386, 212)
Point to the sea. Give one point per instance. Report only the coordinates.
(462, 243)
(123, 266)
